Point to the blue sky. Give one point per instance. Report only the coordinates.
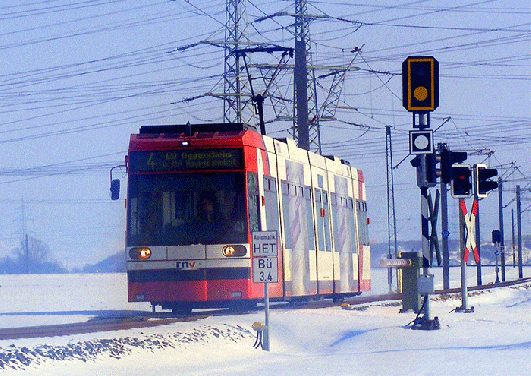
(78, 77)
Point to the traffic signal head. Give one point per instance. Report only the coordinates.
(461, 181)
(484, 185)
(420, 83)
(448, 158)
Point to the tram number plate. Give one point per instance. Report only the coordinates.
(265, 269)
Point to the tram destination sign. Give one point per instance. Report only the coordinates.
(185, 160)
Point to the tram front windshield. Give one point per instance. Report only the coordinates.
(184, 209)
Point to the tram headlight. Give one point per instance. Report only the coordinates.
(234, 251)
(140, 253)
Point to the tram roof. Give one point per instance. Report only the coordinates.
(164, 137)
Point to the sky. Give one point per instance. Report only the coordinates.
(78, 77)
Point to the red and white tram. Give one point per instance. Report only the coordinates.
(195, 194)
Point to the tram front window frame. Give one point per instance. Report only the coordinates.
(178, 209)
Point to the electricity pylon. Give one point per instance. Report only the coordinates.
(233, 84)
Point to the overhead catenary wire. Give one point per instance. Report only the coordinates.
(142, 85)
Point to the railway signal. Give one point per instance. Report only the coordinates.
(420, 95)
(420, 84)
(426, 165)
(483, 184)
(432, 172)
(449, 158)
(461, 181)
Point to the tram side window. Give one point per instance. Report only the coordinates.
(344, 224)
(271, 203)
(352, 224)
(298, 218)
(362, 223)
(320, 219)
(323, 220)
(253, 202)
(310, 232)
(335, 219)
(326, 221)
(340, 218)
(286, 214)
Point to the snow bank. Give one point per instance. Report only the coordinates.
(369, 339)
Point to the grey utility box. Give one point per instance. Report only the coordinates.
(425, 284)
(411, 298)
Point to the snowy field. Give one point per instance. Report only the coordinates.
(372, 339)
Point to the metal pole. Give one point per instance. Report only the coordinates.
(502, 237)
(497, 267)
(391, 213)
(513, 238)
(26, 249)
(300, 79)
(265, 343)
(519, 224)
(464, 291)
(389, 226)
(424, 208)
(445, 233)
(478, 243)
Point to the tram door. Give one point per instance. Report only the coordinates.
(300, 256)
(325, 268)
(346, 275)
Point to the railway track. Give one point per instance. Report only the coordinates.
(139, 319)
(97, 324)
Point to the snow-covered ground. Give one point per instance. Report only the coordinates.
(370, 339)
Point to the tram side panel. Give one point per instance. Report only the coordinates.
(322, 225)
(300, 273)
(345, 235)
(362, 226)
(298, 230)
(273, 210)
(343, 225)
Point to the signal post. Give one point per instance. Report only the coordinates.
(420, 95)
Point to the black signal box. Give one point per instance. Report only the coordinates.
(461, 181)
(420, 84)
(448, 158)
(483, 184)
